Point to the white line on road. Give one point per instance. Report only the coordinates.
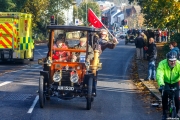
(4, 83)
(34, 103)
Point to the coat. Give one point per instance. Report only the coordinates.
(166, 74)
(139, 42)
(151, 52)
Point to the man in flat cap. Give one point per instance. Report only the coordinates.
(82, 45)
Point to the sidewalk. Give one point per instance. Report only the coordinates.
(142, 67)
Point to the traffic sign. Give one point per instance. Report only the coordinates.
(76, 21)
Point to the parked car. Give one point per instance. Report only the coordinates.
(119, 34)
(69, 79)
(122, 36)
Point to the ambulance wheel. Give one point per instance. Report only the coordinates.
(32, 59)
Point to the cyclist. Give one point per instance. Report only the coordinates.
(168, 76)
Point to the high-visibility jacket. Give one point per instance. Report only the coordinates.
(166, 74)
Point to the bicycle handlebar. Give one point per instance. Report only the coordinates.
(170, 89)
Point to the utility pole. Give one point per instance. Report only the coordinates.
(86, 12)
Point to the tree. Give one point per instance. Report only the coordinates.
(82, 11)
(160, 13)
(6, 5)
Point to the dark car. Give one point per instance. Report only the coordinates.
(130, 38)
(69, 79)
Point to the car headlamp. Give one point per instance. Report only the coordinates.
(74, 77)
(57, 76)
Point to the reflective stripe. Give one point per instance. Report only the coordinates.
(7, 35)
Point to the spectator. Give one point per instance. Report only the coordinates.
(139, 43)
(151, 57)
(146, 44)
(173, 47)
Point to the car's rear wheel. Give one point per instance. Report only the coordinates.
(89, 93)
(32, 59)
(41, 92)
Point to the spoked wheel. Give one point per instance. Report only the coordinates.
(41, 92)
(89, 93)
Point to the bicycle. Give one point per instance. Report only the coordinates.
(171, 102)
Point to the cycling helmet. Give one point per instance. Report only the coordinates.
(172, 55)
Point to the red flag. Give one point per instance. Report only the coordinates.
(93, 19)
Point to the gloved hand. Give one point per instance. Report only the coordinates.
(161, 88)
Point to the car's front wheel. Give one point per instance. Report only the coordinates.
(89, 93)
(41, 91)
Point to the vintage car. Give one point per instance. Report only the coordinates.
(69, 79)
(130, 38)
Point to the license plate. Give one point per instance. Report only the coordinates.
(65, 88)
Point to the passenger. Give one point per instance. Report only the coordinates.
(101, 43)
(105, 42)
(82, 46)
(61, 56)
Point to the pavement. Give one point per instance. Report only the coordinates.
(142, 69)
(142, 66)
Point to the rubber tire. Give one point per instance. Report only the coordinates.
(47, 97)
(89, 93)
(41, 92)
(32, 59)
(173, 114)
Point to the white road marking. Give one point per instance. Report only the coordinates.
(34, 103)
(4, 83)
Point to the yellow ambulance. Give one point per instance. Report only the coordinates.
(16, 43)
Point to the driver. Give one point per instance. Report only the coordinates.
(82, 45)
(168, 76)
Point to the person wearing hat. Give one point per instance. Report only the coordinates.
(82, 45)
(168, 76)
(62, 56)
(104, 41)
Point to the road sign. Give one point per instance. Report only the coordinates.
(76, 21)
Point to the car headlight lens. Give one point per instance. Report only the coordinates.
(74, 77)
(57, 76)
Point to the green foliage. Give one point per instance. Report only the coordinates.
(160, 13)
(6, 5)
(83, 11)
(175, 37)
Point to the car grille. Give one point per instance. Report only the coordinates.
(65, 81)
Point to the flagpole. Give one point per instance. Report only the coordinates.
(102, 23)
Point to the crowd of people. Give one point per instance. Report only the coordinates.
(167, 73)
(158, 35)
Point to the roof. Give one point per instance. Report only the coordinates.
(137, 8)
(68, 27)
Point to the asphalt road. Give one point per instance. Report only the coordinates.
(117, 97)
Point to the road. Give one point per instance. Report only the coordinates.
(117, 96)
